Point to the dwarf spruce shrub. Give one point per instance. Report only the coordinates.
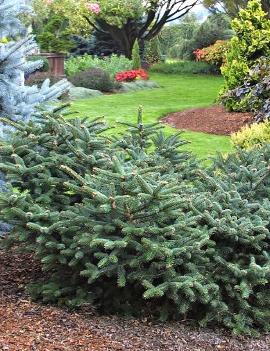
(134, 225)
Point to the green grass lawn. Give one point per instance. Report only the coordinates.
(177, 92)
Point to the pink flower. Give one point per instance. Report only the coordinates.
(49, 2)
(95, 8)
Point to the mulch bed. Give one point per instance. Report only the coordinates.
(213, 120)
(29, 326)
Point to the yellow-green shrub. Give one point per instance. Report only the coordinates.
(252, 136)
(251, 41)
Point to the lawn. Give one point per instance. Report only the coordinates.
(177, 92)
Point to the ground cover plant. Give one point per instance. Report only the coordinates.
(176, 92)
(153, 230)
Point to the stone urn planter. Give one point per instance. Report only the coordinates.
(56, 62)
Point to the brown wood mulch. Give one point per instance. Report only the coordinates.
(29, 326)
(212, 120)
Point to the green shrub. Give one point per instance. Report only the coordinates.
(177, 32)
(153, 51)
(183, 50)
(112, 64)
(45, 67)
(251, 136)
(184, 67)
(136, 58)
(55, 36)
(94, 78)
(134, 224)
(251, 41)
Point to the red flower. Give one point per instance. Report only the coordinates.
(130, 76)
(198, 53)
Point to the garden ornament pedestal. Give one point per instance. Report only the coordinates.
(57, 64)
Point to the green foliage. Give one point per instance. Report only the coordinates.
(136, 58)
(216, 27)
(254, 94)
(191, 35)
(93, 78)
(45, 67)
(54, 36)
(255, 135)
(184, 67)
(118, 12)
(177, 40)
(232, 7)
(134, 225)
(182, 51)
(251, 41)
(153, 51)
(112, 64)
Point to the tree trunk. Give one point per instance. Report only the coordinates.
(142, 53)
(124, 37)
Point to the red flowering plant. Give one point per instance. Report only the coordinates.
(198, 54)
(130, 76)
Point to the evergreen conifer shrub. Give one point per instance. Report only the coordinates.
(132, 223)
(136, 58)
(153, 51)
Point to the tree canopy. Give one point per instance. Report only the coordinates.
(123, 20)
(232, 7)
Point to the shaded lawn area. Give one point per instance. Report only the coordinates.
(177, 92)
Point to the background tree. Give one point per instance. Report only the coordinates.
(17, 101)
(232, 7)
(123, 21)
(191, 35)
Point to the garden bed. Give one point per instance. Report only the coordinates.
(26, 326)
(212, 120)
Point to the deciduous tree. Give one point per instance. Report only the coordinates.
(125, 21)
(232, 7)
